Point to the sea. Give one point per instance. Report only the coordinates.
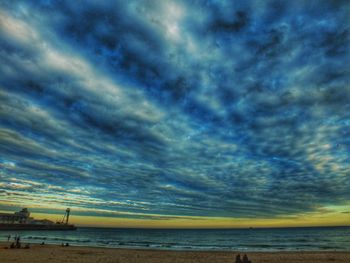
(250, 240)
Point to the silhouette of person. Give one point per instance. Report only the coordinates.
(8, 238)
(238, 259)
(18, 243)
(245, 259)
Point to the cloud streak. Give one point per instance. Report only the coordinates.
(175, 108)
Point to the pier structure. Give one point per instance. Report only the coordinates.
(21, 217)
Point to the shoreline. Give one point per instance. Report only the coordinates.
(76, 254)
(165, 248)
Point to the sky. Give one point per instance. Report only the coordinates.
(176, 113)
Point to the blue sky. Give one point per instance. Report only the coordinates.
(166, 109)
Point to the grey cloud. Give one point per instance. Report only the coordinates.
(193, 108)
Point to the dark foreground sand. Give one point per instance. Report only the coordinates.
(54, 253)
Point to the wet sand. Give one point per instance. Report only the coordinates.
(73, 254)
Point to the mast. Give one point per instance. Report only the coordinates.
(67, 213)
(65, 218)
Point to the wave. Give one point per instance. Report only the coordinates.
(45, 238)
(229, 240)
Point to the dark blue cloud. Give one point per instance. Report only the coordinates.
(181, 108)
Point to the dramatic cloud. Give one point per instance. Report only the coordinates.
(160, 109)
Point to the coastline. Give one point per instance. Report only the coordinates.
(325, 239)
(77, 254)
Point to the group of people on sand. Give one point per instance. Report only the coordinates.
(243, 260)
(17, 242)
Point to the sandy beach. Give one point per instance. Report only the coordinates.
(55, 253)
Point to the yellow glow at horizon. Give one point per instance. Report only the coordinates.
(331, 215)
(331, 219)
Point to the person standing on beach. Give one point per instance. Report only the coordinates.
(245, 259)
(8, 238)
(238, 259)
(18, 243)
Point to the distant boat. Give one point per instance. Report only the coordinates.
(22, 221)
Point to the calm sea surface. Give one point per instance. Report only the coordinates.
(272, 239)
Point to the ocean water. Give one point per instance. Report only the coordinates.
(271, 239)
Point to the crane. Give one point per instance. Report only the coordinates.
(65, 217)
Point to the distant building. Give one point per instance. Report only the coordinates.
(21, 217)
